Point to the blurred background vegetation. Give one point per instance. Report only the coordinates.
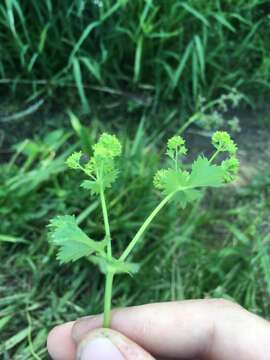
(143, 69)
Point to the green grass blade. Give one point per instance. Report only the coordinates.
(200, 54)
(223, 21)
(138, 58)
(82, 38)
(195, 13)
(79, 83)
(182, 64)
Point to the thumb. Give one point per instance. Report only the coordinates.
(104, 344)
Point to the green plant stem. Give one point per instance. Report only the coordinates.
(214, 156)
(109, 275)
(108, 299)
(106, 222)
(144, 226)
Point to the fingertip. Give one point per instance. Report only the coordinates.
(60, 344)
(109, 344)
(84, 326)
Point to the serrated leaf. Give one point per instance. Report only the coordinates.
(175, 180)
(113, 265)
(108, 178)
(73, 243)
(205, 174)
(91, 185)
(187, 196)
(178, 182)
(73, 161)
(105, 173)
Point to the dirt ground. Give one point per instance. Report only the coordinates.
(253, 141)
(254, 145)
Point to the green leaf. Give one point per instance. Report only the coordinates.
(195, 13)
(107, 178)
(79, 83)
(205, 174)
(93, 67)
(183, 198)
(86, 32)
(92, 185)
(109, 174)
(73, 243)
(223, 21)
(113, 265)
(175, 180)
(73, 161)
(182, 65)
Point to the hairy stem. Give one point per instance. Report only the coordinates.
(109, 275)
(214, 156)
(106, 222)
(108, 299)
(144, 227)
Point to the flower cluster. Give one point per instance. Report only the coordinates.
(175, 147)
(159, 178)
(108, 146)
(222, 141)
(231, 168)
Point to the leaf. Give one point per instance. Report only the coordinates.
(205, 174)
(200, 54)
(14, 340)
(79, 83)
(113, 265)
(195, 13)
(81, 131)
(138, 58)
(175, 180)
(183, 198)
(73, 161)
(12, 239)
(182, 65)
(108, 178)
(91, 185)
(86, 32)
(73, 243)
(93, 67)
(223, 21)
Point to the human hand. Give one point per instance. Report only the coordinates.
(193, 329)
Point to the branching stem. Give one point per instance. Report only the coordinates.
(144, 227)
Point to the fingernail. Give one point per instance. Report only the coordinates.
(98, 348)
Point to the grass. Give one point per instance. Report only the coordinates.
(218, 247)
(141, 54)
(122, 59)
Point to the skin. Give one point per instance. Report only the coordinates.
(194, 329)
